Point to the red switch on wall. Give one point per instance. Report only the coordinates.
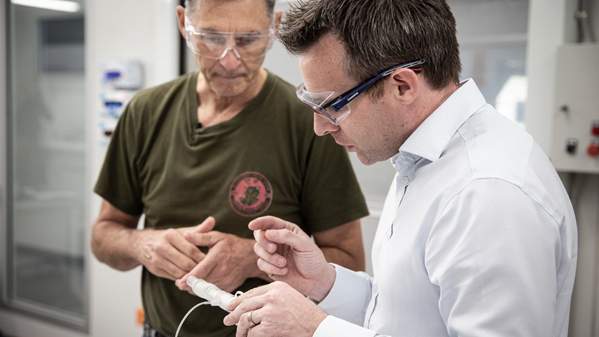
(593, 149)
(595, 129)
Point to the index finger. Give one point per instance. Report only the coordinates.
(248, 295)
(270, 222)
(261, 239)
(185, 247)
(248, 305)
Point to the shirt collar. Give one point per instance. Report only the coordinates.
(433, 135)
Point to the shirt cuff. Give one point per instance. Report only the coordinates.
(349, 296)
(335, 327)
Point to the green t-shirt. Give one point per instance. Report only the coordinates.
(264, 161)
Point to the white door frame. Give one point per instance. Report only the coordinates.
(3, 144)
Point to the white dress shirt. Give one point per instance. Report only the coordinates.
(477, 237)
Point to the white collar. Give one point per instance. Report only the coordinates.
(432, 136)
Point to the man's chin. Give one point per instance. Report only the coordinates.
(362, 158)
(228, 89)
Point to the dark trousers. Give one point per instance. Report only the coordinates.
(149, 332)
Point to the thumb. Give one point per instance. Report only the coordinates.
(292, 239)
(206, 226)
(203, 239)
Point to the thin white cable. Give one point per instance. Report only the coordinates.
(206, 290)
(187, 314)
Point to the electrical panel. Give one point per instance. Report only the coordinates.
(576, 111)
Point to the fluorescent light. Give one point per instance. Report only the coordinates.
(54, 5)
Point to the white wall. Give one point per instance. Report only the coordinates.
(48, 143)
(3, 114)
(498, 26)
(550, 25)
(121, 30)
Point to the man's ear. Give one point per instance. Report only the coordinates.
(181, 21)
(405, 85)
(278, 18)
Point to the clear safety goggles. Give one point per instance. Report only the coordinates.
(213, 44)
(336, 108)
(318, 102)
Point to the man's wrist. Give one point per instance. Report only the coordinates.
(137, 250)
(322, 289)
(318, 319)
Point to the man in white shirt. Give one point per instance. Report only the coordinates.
(477, 236)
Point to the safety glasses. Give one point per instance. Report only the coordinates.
(215, 45)
(337, 109)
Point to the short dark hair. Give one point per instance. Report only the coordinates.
(270, 5)
(378, 34)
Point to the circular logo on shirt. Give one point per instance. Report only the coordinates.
(250, 194)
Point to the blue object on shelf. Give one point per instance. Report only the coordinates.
(113, 104)
(112, 75)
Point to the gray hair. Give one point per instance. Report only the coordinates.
(270, 5)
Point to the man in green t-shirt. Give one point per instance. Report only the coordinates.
(219, 148)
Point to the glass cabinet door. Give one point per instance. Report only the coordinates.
(46, 243)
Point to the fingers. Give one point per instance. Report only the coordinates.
(171, 252)
(165, 269)
(204, 268)
(160, 255)
(272, 264)
(244, 325)
(203, 239)
(201, 270)
(259, 330)
(162, 273)
(206, 226)
(193, 233)
(271, 222)
(261, 239)
(186, 248)
(255, 292)
(295, 240)
(274, 259)
(203, 234)
(248, 321)
(182, 283)
(271, 270)
(246, 306)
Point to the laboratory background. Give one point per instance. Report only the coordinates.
(67, 69)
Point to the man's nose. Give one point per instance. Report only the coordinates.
(322, 126)
(230, 59)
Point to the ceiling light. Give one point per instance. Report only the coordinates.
(54, 5)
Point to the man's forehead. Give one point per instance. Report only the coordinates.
(323, 65)
(249, 13)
